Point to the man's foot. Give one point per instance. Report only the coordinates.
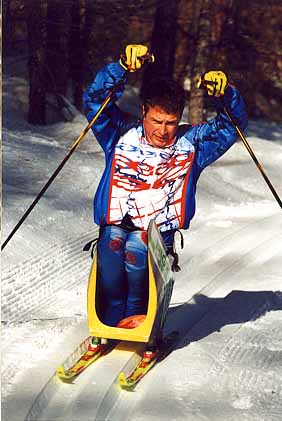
(132, 321)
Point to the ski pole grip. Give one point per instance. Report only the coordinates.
(202, 83)
(146, 58)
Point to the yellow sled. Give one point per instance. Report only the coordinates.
(160, 290)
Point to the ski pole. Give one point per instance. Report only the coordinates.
(202, 84)
(146, 58)
(251, 152)
(58, 169)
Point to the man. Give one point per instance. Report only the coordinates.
(152, 168)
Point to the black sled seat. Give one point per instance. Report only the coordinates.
(160, 290)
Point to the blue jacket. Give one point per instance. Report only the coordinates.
(148, 182)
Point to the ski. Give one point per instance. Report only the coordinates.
(84, 355)
(149, 358)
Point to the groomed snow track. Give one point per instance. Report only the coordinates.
(214, 270)
(58, 267)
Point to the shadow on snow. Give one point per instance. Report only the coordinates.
(205, 315)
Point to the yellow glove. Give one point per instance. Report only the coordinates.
(215, 82)
(134, 57)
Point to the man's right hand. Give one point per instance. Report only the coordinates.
(134, 58)
(214, 82)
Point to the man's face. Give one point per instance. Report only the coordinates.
(160, 127)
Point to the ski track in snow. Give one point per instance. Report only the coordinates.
(231, 374)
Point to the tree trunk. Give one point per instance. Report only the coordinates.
(36, 29)
(90, 39)
(163, 42)
(58, 27)
(76, 50)
(7, 27)
(222, 33)
(202, 19)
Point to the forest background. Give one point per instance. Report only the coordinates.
(61, 44)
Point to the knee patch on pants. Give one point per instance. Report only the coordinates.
(135, 251)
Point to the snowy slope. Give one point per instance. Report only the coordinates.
(234, 243)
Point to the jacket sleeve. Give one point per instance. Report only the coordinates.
(215, 137)
(112, 119)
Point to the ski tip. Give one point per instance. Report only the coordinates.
(60, 373)
(122, 379)
(63, 375)
(124, 383)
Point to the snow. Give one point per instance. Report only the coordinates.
(227, 299)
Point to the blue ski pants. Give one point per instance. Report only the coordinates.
(122, 273)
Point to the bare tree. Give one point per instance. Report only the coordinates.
(7, 25)
(90, 36)
(202, 35)
(58, 27)
(36, 30)
(223, 33)
(163, 42)
(77, 49)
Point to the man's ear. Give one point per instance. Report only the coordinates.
(143, 111)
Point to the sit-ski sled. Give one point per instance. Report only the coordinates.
(150, 345)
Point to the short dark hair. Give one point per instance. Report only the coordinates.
(165, 93)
